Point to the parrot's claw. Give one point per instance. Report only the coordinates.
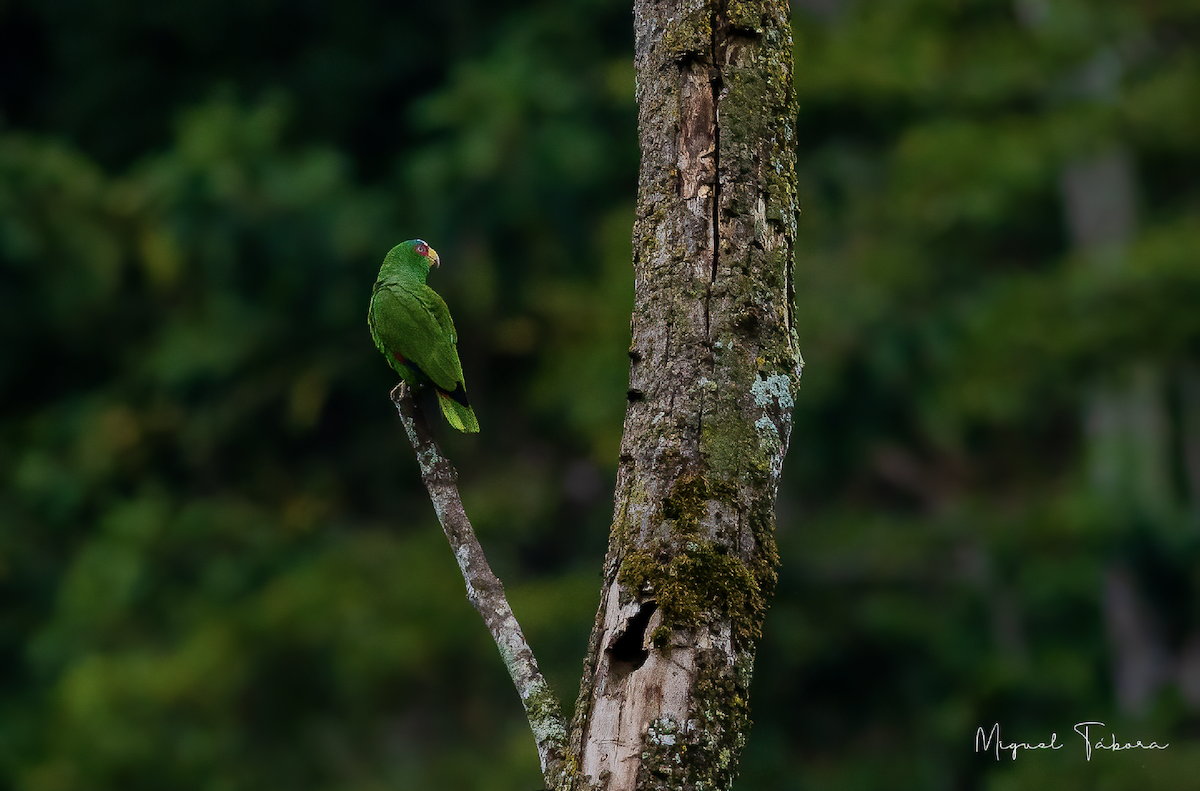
(398, 392)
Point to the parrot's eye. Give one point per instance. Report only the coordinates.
(422, 248)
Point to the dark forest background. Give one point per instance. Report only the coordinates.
(218, 569)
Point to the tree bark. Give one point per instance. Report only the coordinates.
(715, 367)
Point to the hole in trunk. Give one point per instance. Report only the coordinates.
(627, 653)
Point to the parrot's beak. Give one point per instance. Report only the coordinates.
(433, 256)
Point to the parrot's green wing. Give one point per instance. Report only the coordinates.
(415, 325)
(412, 327)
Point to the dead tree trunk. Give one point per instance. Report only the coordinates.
(715, 366)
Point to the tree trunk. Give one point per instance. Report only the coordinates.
(715, 367)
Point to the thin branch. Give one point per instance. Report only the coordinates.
(486, 593)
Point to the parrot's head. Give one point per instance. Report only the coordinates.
(412, 257)
(425, 251)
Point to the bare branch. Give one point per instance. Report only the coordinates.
(486, 593)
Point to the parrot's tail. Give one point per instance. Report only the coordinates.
(458, 415)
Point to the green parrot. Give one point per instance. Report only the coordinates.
(411, 325)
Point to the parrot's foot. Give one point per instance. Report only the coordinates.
(398, 391)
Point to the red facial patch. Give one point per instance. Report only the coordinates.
(422, 249)
(399, 358)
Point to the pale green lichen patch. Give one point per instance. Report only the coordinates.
(775, 388)
(773, 395)
(768, 435)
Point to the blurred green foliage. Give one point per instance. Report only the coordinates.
(217, 567)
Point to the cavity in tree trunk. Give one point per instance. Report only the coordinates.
(664, 700)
